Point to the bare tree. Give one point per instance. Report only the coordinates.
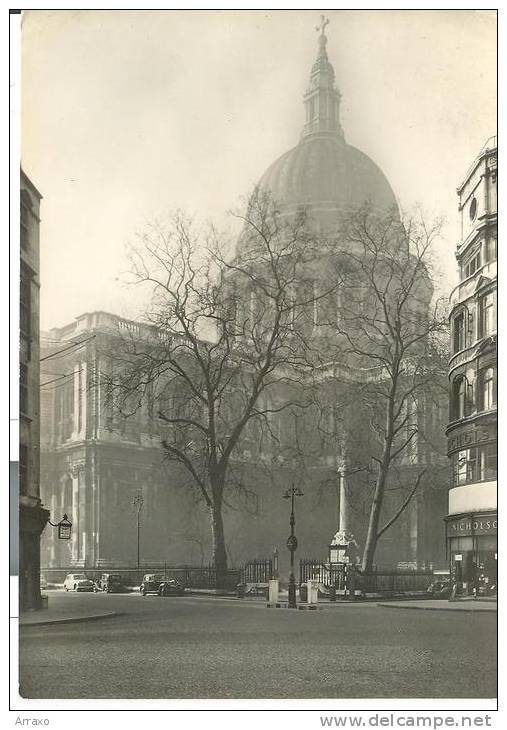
(386, 332)
(224, 347)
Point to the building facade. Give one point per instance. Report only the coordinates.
(95, 463)
(32, 516)
(472, 520)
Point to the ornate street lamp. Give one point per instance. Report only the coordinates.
(292, 542)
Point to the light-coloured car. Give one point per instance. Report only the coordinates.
(77, 582)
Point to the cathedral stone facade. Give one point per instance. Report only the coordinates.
(94, 464)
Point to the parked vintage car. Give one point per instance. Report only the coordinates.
(151, 583)
(109, 583)
(77, 582)
(171, 588)
(440, 588)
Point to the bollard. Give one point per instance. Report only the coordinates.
(313, 591)
(303, 592)
(332, 593)
(240, 590)
(273, 590)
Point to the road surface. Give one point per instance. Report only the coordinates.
(203, 647)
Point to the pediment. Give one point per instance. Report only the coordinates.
(482, 281)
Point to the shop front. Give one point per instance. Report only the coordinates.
(472, 551)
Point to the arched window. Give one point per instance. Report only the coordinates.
(488, 394)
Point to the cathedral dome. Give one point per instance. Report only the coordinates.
(324, 173)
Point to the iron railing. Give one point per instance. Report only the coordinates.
(380, 580)
(257, 571)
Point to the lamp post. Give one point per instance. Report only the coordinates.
(292, 542)
(137, 503)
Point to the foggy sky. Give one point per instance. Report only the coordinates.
(127, 115)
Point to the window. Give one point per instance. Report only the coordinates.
(466, 467)
(23, 389)
(149, 395)
(472, 265)
(487, 308)
(459, 332)
(489, 462)
(25, 311)
(475, 465)
(462, 398)
(411, 428)
(328, 306)
(488, 394)
(459, 468)
(490, 249)
(473, 209)
(307, 307)
(25, 301)
(26, 205)
(291, 311)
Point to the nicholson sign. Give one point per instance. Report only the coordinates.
(484, 525)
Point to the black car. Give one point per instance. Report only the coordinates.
(151, 583)
(171, 588)
(109, 583)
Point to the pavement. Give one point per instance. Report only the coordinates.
(58, 612)
(219, 648)
(468, 605)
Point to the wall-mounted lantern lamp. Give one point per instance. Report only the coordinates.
(64, 528)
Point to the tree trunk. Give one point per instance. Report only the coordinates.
(371, 537)
(219, 557)
(378, 498)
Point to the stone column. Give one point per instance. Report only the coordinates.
(94, 512)
(77, 404)
(413, 517)
(77, 509)
(64, 550)
(84, 392)
(344, 512)
(53, 549)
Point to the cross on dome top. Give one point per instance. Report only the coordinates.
(323, 22)
(322, 37)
